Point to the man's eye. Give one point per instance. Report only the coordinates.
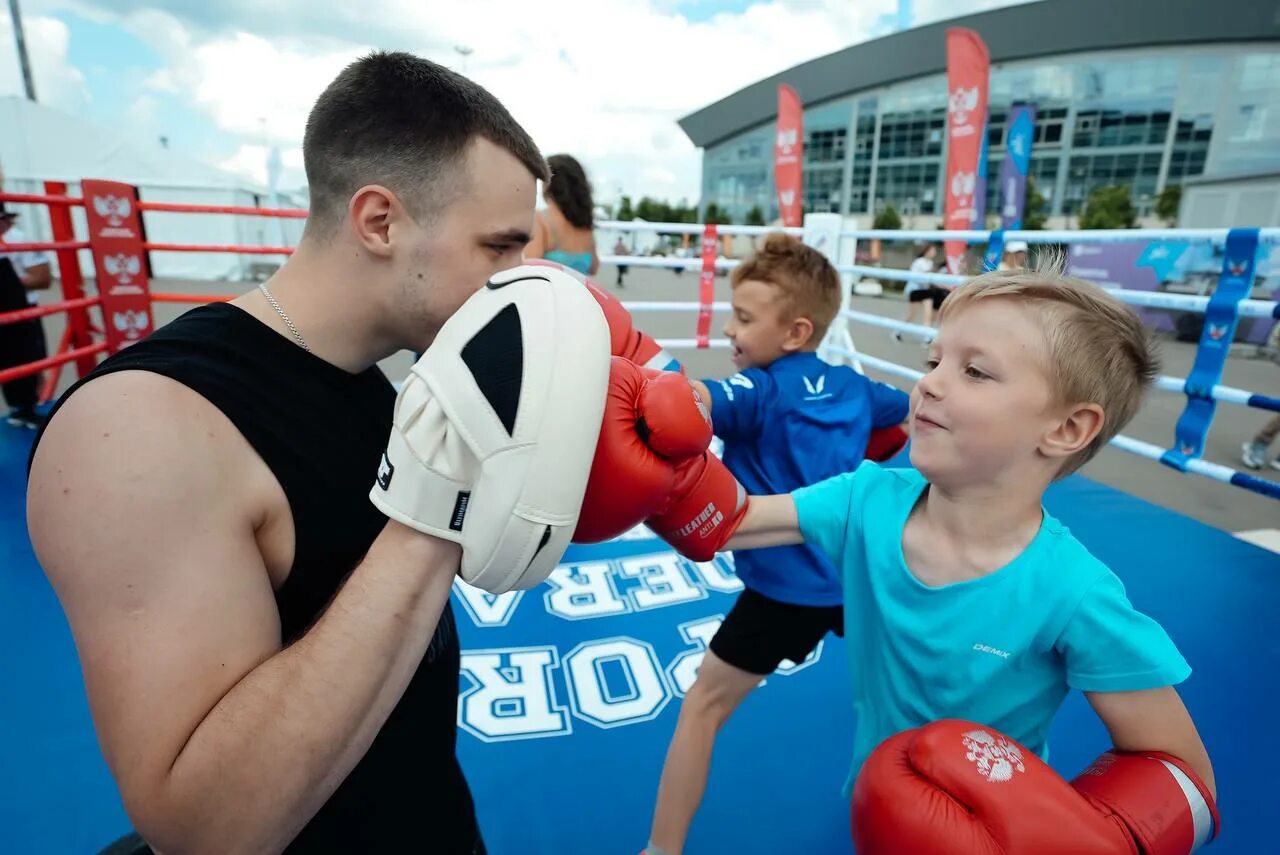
(931, 363)
(975, 373)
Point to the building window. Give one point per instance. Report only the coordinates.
(915, 134)
(822, 190)
(912, 188)
(825, 146)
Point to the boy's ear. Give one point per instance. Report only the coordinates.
(799, 333)
(1074, 431)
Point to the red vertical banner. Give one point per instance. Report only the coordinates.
(707, 283)
(968, 69)
(115, 236)
(788, 156)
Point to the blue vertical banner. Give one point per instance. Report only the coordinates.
(1220, 319)
(1017, 165)
(980, 183)
(995, 251)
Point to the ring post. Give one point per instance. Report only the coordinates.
(822, 232)
(72, 278)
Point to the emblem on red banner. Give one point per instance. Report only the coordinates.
(115, 235)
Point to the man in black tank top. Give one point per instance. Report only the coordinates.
(272, 665)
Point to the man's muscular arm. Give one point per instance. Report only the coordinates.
(219, 739)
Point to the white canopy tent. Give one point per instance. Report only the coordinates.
(40, 143)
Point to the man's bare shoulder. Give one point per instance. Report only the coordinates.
(137, 431)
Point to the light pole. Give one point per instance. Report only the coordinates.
(28, 81)
(462, 50)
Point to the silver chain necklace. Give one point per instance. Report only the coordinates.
(262, 286)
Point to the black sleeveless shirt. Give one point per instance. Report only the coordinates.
(321, 431)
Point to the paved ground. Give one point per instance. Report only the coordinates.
(1219, 505)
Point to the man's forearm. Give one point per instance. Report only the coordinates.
(274, 749)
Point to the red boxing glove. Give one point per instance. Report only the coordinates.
(653, 465)
(958, 787)
(705, 508)
(653, 420)
(885, 442)
(624, 339)
(1164, 806)
(627, 341)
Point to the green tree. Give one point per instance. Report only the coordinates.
(1109, 208)
(755, 217)
(713, 213)
(887, 218)
(1167, 203)
(1036, 210)
(624, 211)
(651, 210)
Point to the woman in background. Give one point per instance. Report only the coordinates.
(923, 296)
(564, 232)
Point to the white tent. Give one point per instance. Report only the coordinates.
(39, 143)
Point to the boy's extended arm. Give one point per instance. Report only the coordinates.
(769, 521)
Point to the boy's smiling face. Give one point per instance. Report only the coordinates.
(757, 329)
(986, 405)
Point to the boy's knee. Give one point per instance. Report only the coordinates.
(711, 701)
(706, 705)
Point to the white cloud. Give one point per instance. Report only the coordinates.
(250, 160)
(605, 81)
(161, 81)
(143, 110)
(57, 82)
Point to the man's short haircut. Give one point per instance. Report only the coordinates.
(405, 123)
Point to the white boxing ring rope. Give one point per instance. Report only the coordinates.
(839, 337)
(1214, 471)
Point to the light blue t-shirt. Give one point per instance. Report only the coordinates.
(1002, 650)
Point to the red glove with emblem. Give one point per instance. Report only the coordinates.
(958, 787)
(624, 339)
(885, 442)
(653, 465)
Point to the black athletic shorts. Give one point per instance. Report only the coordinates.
(759, 632)
(933, 293)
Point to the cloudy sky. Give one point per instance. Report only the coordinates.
(603, 79)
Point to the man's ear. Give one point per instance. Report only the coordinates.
(372, 210)
(799, 332)
(1073, 432)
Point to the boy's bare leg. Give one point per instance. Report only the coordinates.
(714, 695)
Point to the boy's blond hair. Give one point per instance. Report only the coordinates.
(808, 285)
(1098, 350)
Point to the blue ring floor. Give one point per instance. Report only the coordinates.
(568, 760)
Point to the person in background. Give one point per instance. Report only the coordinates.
(565, 231)
(22, 342)
(923, 296)
(620, 248)
(1254, 453)
(1015, 256)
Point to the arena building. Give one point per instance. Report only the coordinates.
(1142, 93)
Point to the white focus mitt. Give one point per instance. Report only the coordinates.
(496, 425)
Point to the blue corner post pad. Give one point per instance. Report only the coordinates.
(1221, 317)
(995, 251)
